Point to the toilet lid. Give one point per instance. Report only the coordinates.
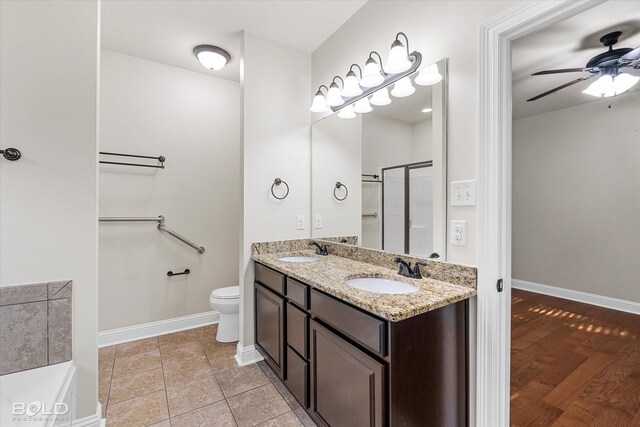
(230, 292)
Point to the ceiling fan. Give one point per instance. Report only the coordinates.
(609, 65)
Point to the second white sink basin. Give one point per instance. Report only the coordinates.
(298, 259)
(382, 286)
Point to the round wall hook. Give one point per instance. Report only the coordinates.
(277, 182)
(11, 154)
(337, 187)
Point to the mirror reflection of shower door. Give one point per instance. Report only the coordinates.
(407, 213)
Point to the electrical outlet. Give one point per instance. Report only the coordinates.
(459, 233)
(318, 221)
(463, 193)
(300, 220)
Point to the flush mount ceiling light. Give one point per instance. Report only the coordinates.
(429, 76)
(211, 57)
(608, 85)
(398, 59)
(347, 112)
(381, 97)
(351, 83)
(334, 97)
(319, 102)
(371, 75)
(402, 88)
(362, 106)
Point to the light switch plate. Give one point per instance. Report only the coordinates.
(318, 222)
(463, 193)
(459, 233)
(300, 221)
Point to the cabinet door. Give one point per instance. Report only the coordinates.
(347, 385)
(270, 327)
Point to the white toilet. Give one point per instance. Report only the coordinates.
(227, 302)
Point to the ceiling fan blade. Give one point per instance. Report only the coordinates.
(562, 70)
(633, 55)
(555, 89)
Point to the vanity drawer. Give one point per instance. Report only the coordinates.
(297, 327)
(298, 292)
(269, 278)
(297, 377)
(369, 331)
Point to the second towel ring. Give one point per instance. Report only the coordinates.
(338, 186)
(277, 182)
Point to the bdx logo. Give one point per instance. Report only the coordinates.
(37, 407)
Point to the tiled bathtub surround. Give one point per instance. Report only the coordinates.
(35, 325)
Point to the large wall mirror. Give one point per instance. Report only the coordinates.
(381, 176)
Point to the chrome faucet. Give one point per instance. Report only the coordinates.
(406, 270)
(320, 250)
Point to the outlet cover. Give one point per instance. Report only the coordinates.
(318, 221)
(459, 233)
(300, 222)
(463, 193)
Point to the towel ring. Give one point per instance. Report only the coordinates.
(346, 191)
(278, 181)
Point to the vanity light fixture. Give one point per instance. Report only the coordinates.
(372, 75)
(429, 76)
(362, 106)
(402, 88)
(351, 83)
(381, 97)
(426, 110)
(608, 85)
(334, 97)
(347, 112)
(319, 104)
(211, 57)
(398, 59)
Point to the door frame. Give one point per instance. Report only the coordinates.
(494, 196)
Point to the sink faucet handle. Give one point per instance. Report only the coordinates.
(416, 269)
(320, 250)
(404, 268)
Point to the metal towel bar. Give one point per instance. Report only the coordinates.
(370, 215)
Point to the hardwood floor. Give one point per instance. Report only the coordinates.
(573, 364)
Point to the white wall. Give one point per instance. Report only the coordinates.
(48, 198)
(437, 29)
(576, 198)
(193, 120)
(275, 82)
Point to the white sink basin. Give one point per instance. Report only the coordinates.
(298, 259)
(382, 286)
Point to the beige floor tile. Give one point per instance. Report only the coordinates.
(268, 371)
(176, 338)
(105, 369)
(136, 363)
(240, 379)
(136, 347)
(214, 415)
(164, 423)
(182, 351)
(140, 411)
(103, 392)
(304, 417)
(223, 363)
(186, 397)
(290, 419)
(206, 331)
(286, 394)
(184, 371)
(257, 405)
(107, 352)
(136, 384)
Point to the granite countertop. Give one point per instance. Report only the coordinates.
(330, 273)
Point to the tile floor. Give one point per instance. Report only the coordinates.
(189, 379)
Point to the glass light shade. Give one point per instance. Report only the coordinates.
(381, 97)
(429, 76)
(319, 104)
(402, 88)
(333, 96)
(211, 57)
(347, 112)
(362, 106)
(607, 86)
(371, 75)
(398, 60)
(351, 86)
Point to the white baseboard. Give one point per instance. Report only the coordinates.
(601, 301)
(94, 420)
(247, 355)
(152, 329)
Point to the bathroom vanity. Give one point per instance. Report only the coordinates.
(356, 358)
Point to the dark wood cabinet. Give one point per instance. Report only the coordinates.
(269, 324)
(347, 385)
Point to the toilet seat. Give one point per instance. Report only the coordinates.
(230, 292)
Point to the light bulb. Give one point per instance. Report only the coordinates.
(402, 88)
(371, 75)
(347, 112)
(429, 76)
(351, 86)
(362, 106)
(319, 104)
(398, 60)
(608, 86)
(623, 82)
(211, 57)
(333, 96)
(381, 97)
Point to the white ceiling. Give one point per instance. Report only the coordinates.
(568, 44)
(167, 31)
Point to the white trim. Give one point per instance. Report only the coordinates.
(247, 355)
(152, 329)
(579, 296)
(93, 420)
(494, 195)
